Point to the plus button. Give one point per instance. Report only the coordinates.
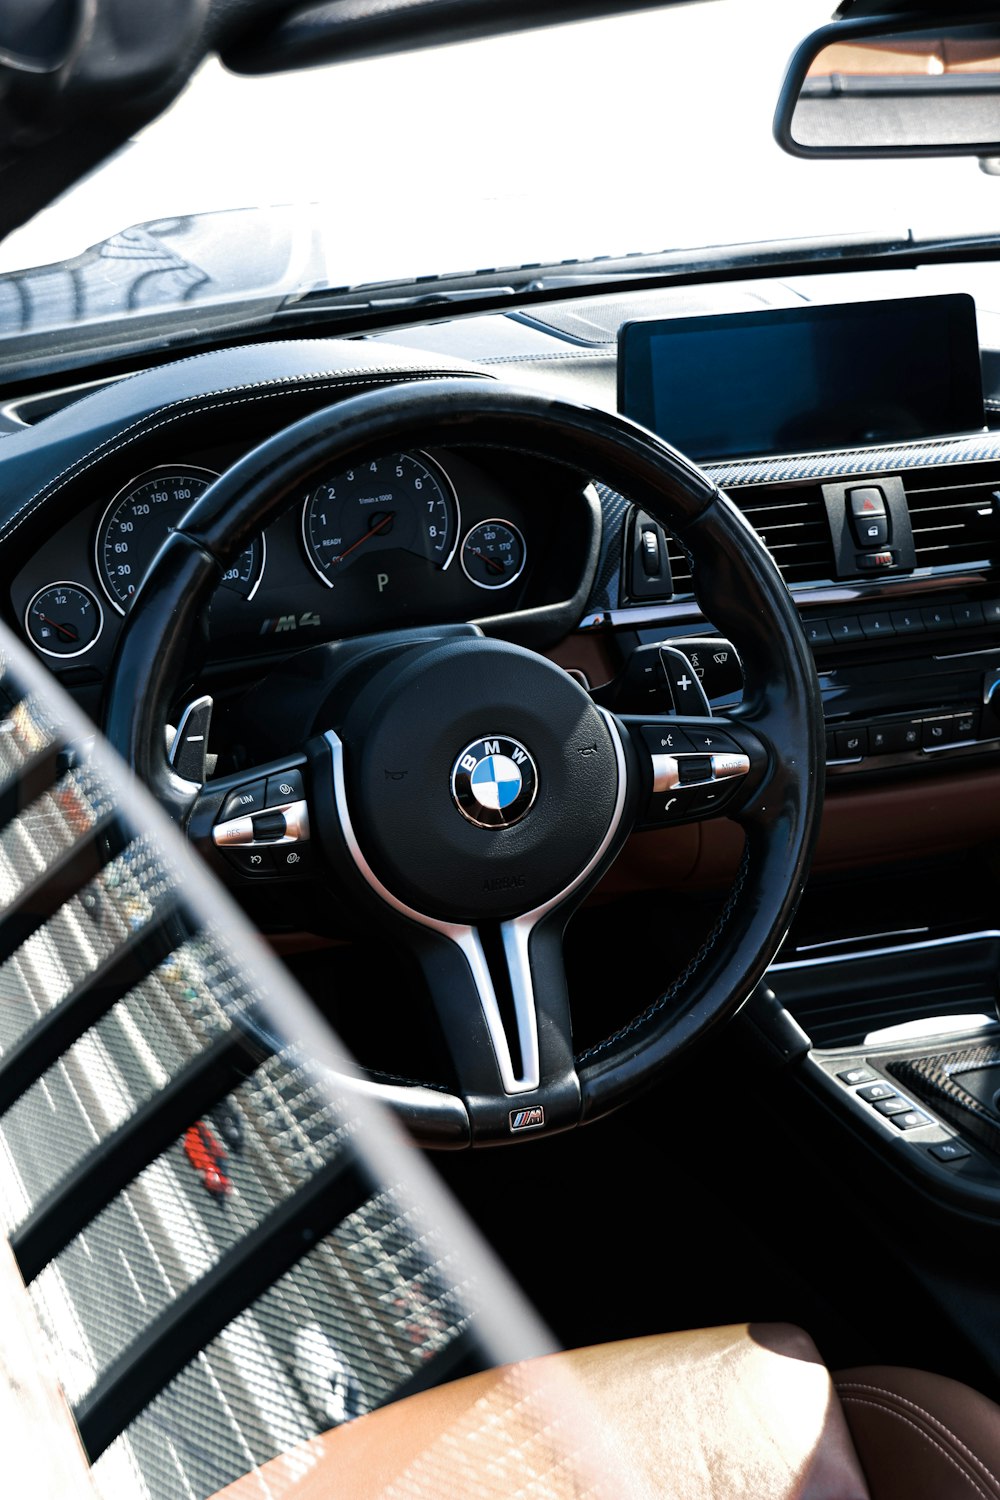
(684, 683)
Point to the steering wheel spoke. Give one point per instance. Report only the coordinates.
(501, 997)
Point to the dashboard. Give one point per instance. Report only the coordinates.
(908, 654)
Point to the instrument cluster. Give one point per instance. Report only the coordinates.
(408, 538)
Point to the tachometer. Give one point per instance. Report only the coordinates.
(403, 502)
(138, 522)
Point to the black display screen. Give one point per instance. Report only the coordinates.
(787, 380)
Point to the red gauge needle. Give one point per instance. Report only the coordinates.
(66, 631)
(380, 525)
(489, 561)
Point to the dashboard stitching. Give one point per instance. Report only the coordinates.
(143, 427)
(598, 355)
(674, 989)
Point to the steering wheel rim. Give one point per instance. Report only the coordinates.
(736, 584)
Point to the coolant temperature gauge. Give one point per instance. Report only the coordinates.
(493, 554)
(63, 619)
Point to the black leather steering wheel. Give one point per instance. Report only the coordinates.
(471, 793)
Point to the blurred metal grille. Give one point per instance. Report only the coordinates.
(48, 828)
(118, 1009)
(25, 730)
(83, 933)
(120, 1063)
(326, 1341)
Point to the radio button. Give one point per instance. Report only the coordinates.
(968, 614)
(817, 632)
(846, 628)
(876, 625)
(938, 617)
(991, 611)
(907, 621)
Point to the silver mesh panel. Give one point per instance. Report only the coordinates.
(183, 1213)
(118, 1065)
(84, 932)
(325, 1343)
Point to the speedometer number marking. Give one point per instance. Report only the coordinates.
(139, 520)
(403, 503)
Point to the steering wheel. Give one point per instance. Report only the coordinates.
(470, 792)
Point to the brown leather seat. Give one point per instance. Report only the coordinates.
(746, 1411)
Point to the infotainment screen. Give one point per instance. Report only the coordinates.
(787, 380)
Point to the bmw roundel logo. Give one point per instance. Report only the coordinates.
(494, 782)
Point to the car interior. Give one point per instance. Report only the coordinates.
(500, 837)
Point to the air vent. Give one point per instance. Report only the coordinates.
(958, 523)
(792, 522)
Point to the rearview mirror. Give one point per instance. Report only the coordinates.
(882, 88)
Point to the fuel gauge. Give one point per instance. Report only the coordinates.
(493, 554)
(63, 619)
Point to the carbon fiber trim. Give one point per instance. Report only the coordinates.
(938, 1082)
(846, 462)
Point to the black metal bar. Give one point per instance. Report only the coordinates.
(71, 1205)
(64, 877)
(201, 1312)
(25, 1062)
(38, 774)
(464, 1355)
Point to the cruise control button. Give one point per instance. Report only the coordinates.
(285, 787)
(269, 826)
(246, 799)
(251, 861)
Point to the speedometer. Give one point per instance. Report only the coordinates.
(138, 522)
(402, 503)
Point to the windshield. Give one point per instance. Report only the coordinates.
(638, 133)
